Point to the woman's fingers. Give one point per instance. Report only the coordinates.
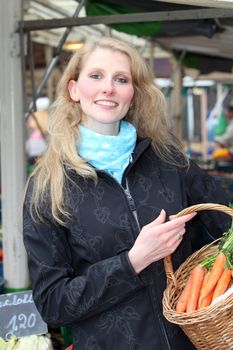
(177, 237)
(157, 240)
(172, 226)
(170, 234)
(176, 221)
(187, 217)
(183, 218)
(161, 218)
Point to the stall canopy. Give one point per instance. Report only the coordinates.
(206, 27)
(177, 35)
(197, 26)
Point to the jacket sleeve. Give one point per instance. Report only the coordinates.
(61, 296)
(203, 188)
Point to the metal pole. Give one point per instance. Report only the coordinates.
(176, 99)
(54, 61)
(190, 117)
(13, 165)
(203, 101)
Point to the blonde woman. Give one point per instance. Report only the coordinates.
(97, 207)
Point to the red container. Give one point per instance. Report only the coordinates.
(69, 347)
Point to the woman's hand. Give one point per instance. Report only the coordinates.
(157, 240)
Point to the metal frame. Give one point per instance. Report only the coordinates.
(171, 15)
(53, 62)
(126, 18)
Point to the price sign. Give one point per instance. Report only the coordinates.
(19, 316)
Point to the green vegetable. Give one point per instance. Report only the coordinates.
(32, 342)
(2, 344)
(225, 246)
(11, 343)
(209, 261)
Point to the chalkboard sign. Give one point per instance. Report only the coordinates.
(19, 316)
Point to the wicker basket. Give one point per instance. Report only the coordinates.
(212, 326)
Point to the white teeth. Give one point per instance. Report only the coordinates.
(106, 103)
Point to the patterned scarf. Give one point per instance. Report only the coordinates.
(109, 153)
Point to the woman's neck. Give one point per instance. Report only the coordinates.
(102, 128)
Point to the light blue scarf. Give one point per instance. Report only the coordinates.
(109, 153)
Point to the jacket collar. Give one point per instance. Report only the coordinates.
(141, 145)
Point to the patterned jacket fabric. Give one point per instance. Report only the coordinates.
(80, 272)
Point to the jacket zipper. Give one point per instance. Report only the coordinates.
(131, 204)
(134, 212)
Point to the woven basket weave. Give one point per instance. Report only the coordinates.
(212, 326)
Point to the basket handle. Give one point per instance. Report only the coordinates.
(168, 266)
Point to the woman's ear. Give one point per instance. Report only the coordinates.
(73, 90)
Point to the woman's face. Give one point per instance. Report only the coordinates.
(104, 90)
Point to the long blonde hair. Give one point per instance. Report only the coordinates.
(147, 113)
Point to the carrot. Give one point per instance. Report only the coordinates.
(206, 301)
(203, 301)
(197, 277)
(183, 298)
(222, 284)
(215, 273)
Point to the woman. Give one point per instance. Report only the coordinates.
(97, 207)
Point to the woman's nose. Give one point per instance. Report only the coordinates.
(108, 87)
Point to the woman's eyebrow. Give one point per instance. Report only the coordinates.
(89, 70)
(95, 69)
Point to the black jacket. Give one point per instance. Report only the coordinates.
(80, 273)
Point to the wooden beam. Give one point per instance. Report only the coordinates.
(31, 25)
(211, 3)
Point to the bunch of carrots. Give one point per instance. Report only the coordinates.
(210, 279)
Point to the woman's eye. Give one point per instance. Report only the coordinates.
(121, 80)
(95, 76)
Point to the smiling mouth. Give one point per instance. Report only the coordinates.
(106, 103)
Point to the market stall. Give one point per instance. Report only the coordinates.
(12, 114)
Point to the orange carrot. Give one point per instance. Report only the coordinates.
(215, 273)
(222, 284)
(183, 298)
(206, 301)
(197, 277)
(202, 301)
